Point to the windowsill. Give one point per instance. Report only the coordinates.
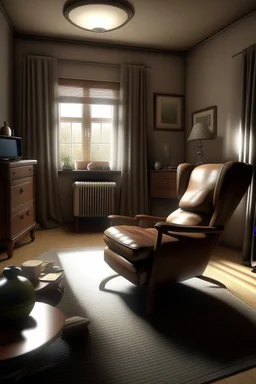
(91, 172)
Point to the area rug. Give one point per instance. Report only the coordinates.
(202, 333)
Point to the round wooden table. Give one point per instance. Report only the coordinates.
(49, 292)
(41, 327)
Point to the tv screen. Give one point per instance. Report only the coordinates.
(10, 147)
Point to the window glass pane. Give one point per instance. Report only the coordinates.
(77, 153)
(65, 150)
(95, 133)
(71, 110)
(105, 152)
(101, 111)
(65, 132)
(106, 132)
(76, 132)
(95, 152)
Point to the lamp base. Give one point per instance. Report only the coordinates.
(200, 154)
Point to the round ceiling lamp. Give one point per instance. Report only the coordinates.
(98, 16)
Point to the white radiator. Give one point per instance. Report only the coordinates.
(93, 198)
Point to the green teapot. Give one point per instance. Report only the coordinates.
(17, 295)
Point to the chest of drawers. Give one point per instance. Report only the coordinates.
(17, 203)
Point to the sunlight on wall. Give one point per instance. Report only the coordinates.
(241, 142)
(233, 139)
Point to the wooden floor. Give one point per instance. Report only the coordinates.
(225, 266)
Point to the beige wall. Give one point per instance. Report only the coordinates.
(213, 78)
(6, 72)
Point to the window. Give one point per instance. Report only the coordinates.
(88, 111)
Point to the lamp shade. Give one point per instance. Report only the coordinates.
(98, 15)
(200, 131)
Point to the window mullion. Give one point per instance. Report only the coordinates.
(87, 131)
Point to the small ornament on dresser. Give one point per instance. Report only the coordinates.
(5, 130)
(157, 165)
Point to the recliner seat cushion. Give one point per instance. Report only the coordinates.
(135, 243)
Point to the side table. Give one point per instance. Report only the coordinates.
(49, 292)
(162, 184)
(41, 327)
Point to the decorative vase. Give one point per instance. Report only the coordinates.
(5, 130)
(17, 295)
(67, 167)
(157, 165)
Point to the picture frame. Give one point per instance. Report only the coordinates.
(208, 116)
(168, 112)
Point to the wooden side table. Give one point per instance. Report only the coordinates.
(162, 184)
(49, 292)
(41, 327)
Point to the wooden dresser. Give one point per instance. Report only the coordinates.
(162, 184)
(17, 201)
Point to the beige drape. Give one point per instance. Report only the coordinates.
(39, 130)
(248, 148)
(131, 141)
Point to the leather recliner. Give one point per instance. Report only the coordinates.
(178, 247)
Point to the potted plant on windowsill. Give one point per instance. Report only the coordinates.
(67, 163)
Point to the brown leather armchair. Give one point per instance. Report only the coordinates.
(178, 247)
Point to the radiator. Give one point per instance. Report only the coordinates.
(93, 198)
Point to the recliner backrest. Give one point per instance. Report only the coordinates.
(234, 180)
(210, 193)
(198, 197)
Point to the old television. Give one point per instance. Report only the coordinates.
(10, 147)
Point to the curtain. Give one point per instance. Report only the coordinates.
(39, 130)
(131, 141)
(248, 148)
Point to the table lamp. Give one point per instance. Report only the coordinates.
(200, 131)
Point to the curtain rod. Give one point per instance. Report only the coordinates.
(237, 54)
(95, 63)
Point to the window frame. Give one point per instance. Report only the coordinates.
(84, 90)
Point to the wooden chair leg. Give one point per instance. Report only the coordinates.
(77, 224)
(10, 245)
(150, 299)
(32, 234)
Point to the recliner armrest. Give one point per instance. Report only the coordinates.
(148, 221)
(165, 227)
(149, 217)
(128, 220)
(119, 220)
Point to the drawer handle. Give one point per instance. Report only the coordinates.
(22, 217)
(13, 173)
(29, 213)
(29, 169)
(22, 190)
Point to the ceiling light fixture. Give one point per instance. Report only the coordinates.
(98, 16)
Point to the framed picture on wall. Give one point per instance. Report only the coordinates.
(168, 112)
(208, 116)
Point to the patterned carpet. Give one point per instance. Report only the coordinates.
(202, 332)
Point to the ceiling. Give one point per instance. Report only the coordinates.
(176, 25)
